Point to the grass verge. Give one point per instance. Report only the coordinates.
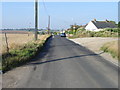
(21, 56)
(103, 33)
(112, 48)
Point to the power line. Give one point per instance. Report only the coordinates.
(46, 10)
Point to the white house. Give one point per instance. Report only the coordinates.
(99, 25)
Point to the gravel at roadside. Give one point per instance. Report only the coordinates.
(94, 44)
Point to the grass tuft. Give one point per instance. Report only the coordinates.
(112, 48)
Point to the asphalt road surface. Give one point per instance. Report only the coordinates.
(64, 64)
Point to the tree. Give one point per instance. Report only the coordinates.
(119, 24)
(113, 22)
(74, 28)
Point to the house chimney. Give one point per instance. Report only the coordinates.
(107, 20)
(95, 20)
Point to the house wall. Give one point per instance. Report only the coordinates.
(91, 27)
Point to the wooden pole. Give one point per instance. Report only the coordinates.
(6, 43)
(36, 19)
(49, 25)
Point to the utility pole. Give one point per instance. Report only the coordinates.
(48, 24)
(36, 19)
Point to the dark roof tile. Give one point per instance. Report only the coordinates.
(104, 24)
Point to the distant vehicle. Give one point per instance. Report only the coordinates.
(63, 35)
(52, 34)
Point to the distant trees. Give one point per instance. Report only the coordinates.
(119, 24)
(74, 28)
(113, 22)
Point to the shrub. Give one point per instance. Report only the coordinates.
(108, 32)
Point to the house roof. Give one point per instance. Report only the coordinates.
(104, 24)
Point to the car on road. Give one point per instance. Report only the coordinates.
(63, 35)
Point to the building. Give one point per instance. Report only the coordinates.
(99, 25)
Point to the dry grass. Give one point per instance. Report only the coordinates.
(112, 48)
(17, 40)
(28, 50)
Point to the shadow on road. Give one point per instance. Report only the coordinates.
(66, 58)
(49, 44)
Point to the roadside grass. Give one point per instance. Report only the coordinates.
(103, 33)
(24, 54)
(15, 41)
(112, 48)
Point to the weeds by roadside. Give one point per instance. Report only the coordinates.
(112, 48)
(108, 32)
(17, 57)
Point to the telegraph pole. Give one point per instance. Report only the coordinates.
(49, 25)
(36, 19)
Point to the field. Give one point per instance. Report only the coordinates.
(17, 40)
(22, 48)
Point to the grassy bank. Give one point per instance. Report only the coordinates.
(104, 33)
(17, 57)
(112, 48)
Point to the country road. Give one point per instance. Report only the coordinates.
(64, 64)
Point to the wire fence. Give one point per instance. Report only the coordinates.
(16, 41)
(13, 41)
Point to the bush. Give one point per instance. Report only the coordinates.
(108, 32)
(111, 29)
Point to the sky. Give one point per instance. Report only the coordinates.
(61, 0)
(63, 14)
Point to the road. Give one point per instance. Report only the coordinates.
(64, 64)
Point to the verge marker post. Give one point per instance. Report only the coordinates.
(6, 39)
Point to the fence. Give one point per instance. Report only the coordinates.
(14, 40)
